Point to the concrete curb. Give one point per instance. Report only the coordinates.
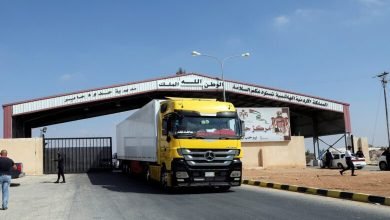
(360, 197)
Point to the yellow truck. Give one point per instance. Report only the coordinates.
(183, 142)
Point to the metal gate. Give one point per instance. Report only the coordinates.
(80, 155)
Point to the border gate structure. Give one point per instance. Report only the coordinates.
(310, 116)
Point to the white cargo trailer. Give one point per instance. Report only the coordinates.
(137, 134)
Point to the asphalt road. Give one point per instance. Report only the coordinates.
(115, 196)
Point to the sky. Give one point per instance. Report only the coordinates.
(331, 49)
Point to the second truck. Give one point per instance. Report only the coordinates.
(182, 142)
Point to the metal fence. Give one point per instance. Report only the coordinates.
(80, 155)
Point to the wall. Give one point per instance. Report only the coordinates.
(275, 154)
(29, 151)
(291, 153)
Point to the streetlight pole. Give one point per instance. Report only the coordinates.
(43, 131)
(221, 63)
(384, 82)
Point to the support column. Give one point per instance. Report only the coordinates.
(316, 146)
(7, 121)
(315, 136)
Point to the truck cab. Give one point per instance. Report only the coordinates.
(199, 143)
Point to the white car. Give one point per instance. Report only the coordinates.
(339, 161)
(382, 162)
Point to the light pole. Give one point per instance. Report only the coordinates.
(221, 63)
(43, 131)
(384, 82)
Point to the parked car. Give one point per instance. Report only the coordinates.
(18, 172)
(339, 161)
(382, 162)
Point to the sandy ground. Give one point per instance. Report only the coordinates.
(368, 182)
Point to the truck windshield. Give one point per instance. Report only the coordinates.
(206, 127)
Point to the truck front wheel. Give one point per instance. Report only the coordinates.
(164, 179)
(147, 174)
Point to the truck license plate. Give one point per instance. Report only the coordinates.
(209, 174)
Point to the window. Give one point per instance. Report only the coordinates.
(210, 127)
(165, 126)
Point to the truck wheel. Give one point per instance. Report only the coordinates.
(382, 166)
(147, 174)
(164, 179)
(124, 168)
(339, 165)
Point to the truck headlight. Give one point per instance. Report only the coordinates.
(235, 173)
(182, 151)
(181, 174)
(235, 152)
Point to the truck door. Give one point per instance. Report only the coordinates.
(164, 139)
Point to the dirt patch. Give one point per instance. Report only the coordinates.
(368, 182)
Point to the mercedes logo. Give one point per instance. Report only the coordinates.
(209, 155)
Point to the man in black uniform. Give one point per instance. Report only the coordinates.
(359, 153)
(60, 166)
(6, 164)
(328, 159)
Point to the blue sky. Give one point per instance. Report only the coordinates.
(329, 49)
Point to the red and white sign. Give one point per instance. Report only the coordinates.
(265, 124)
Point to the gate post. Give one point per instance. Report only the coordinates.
(44, 154)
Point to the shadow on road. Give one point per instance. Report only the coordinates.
(116, 181)
(14, 184)
(47, 181)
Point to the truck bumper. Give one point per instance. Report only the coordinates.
(184, 175)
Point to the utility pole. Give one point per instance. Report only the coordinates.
(384, 82)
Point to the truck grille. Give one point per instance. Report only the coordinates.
(202, 157)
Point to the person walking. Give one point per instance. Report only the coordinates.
(348, 160)
(60, 167)
(6, 164)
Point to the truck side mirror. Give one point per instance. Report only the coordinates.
(164, 129)
(242, 129)
(164, 132)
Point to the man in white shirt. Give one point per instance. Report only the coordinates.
(348, 160)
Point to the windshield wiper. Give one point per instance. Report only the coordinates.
(189, 136)
(227, 138)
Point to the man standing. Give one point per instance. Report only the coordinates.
(60, 166)
(328, 159)
(6, 164)
(359, 153)
(348, 160)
